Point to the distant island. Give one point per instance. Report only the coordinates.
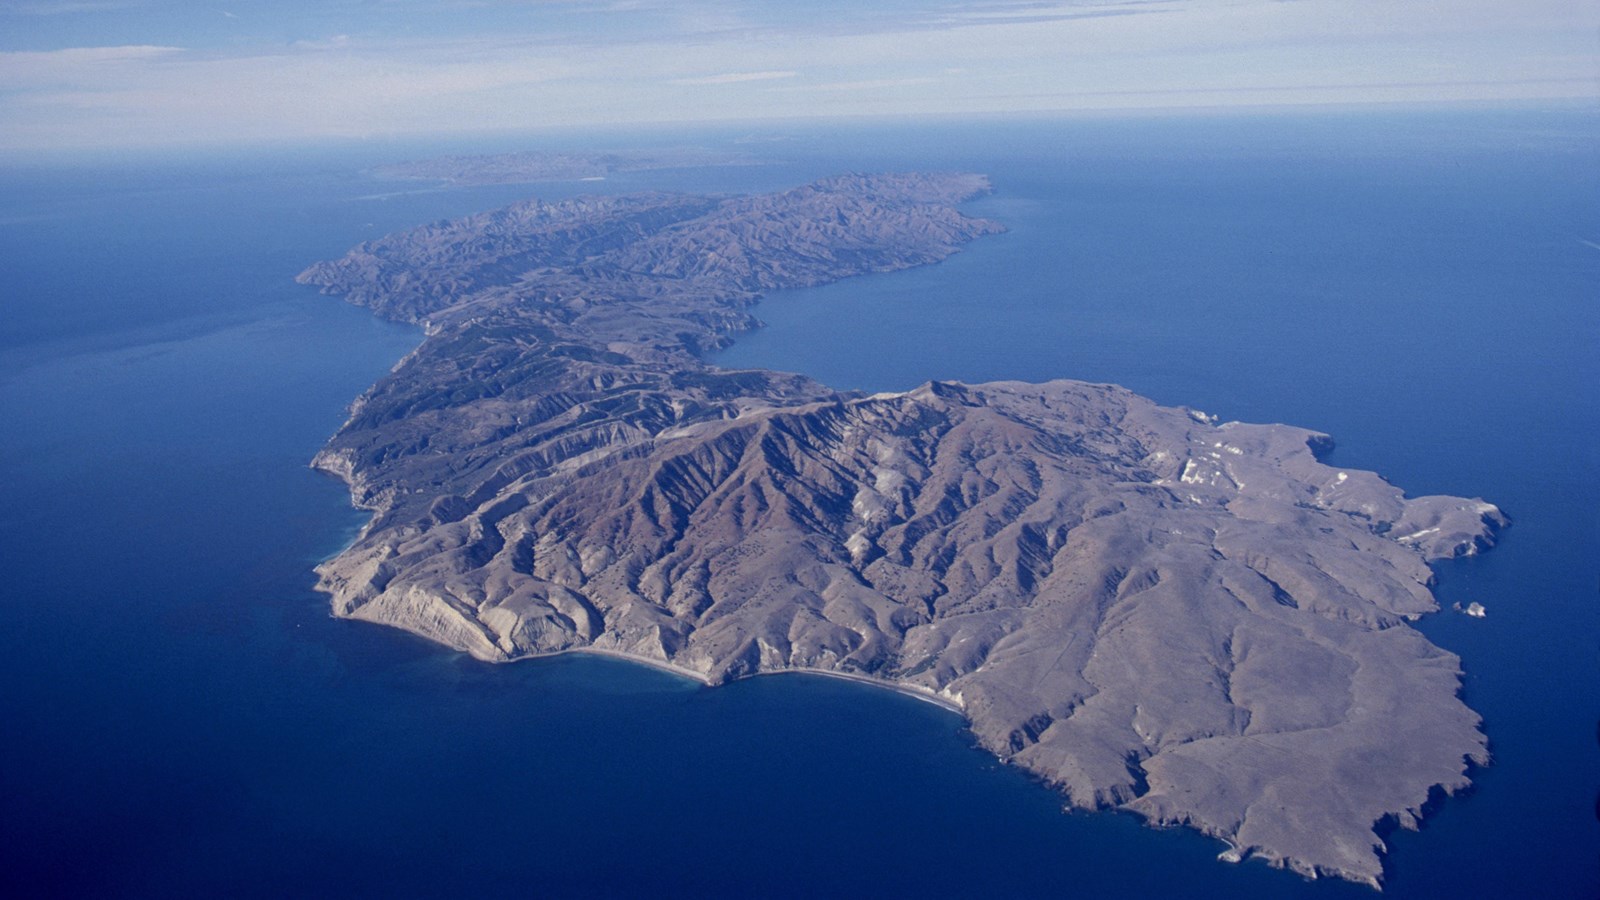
(1196, 621)
(534, 166)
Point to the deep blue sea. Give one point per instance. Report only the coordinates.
(179, 716)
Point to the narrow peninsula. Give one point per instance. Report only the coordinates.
(1196, 621)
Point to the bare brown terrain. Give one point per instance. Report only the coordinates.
(1196, 621)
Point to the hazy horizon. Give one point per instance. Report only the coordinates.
(120, 75)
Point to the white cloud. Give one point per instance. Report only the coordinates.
(69, 7)
(736, 77)
(86, 55)
(871, 84)
(23, 70)
(1011, 13)
(337, 42)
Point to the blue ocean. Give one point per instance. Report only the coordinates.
(179, 716)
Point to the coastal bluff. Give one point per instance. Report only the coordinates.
(1193, 620)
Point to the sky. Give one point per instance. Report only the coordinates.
(109, 74)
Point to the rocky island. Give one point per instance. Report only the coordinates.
(1196, 621)
(531, 166)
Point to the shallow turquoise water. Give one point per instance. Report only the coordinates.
(182, 717)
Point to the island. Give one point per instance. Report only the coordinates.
(1150, 610)
(531, 166)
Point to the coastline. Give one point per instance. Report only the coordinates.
(915, 693)
(657, 664)
(911, 691)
